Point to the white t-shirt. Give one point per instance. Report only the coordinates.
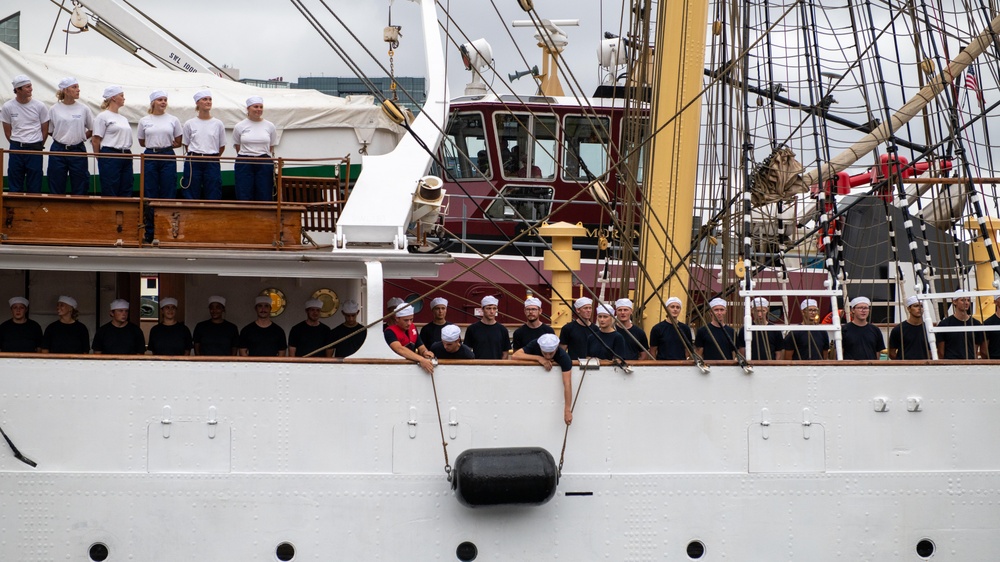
(255, 138)
(204, 136)
(25, 119)
(114, 130)
(159, 131)
(69, 124)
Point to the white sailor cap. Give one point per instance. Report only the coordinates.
(451, 333)
(489, 300)
(548, 342)
(717, 302)
(18, 300)
(157, 94)
(860, 300)
(912, 300)
(624, 303)
(350, 307)
(394, 302)
(672, 300)
(118, 304)
(112, 91)
(532, 301)
(582, 302)
(806, 303)
(314, 303)
(218, 299)
(439, 301)
(605, 309)
(760, 302)
(403, 310)
(252, 100)
(66, 83)
(263, 299)
(67, 300)
(201, 94)
(20, 80)
(169, 301)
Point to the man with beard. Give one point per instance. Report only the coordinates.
(532, 329)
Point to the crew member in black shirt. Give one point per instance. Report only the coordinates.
(66, 334)
(20, 334)
(767, 345)
(533, 328)
(119, 336)
(636, 343)
(216, 336)
(547, 352)
(908, 339)
(715, 341)
(670, 340)
(170, 337)
(488, 338)
(860, 339)
(573, 336)
(431, 332)
(348, 337)
(310, 334)
(262, 337)
(451, 346)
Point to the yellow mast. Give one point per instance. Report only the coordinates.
(681, 28)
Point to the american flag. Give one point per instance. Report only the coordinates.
(972, 84)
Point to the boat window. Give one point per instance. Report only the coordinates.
(530, 202)
(527, 145)
(634, 132)
(464, 151)
(586, 136)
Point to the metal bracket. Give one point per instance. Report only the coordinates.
(453, 423)
(913, 404)
(212, 422)
(765, 423)
(165, 422)
(880, 404)
(806, 422)
(413, 422)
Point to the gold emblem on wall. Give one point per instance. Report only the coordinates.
(331, 302)
(278, 301)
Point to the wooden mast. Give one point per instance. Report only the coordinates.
(681, 28)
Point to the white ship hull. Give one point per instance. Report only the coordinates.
(343, 461)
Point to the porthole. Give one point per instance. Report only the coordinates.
(285, 552)
(925, 548)
(99, 552)
(467, 552)
(695, 550)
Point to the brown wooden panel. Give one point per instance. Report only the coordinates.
(249, 224)
(70, 220)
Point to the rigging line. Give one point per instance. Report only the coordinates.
(54, 24)
(444, 443)
(344, 57)
(572, 409)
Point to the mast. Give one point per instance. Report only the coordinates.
(673, 153)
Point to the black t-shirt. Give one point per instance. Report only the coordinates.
(808, 346)
(351, 345)
(574, 336)
(633, 347)
(66, 338)
(993, 347)
(25, 337)
(488, 341)
(431, 333)
(861, 342)
(216, 339)
(305, 338)
(124, 340)
(717, 342)
(605, 345)
(960, 345)
(671, 341)
(561, 358)
(910, 340)
(766, 345)
(174, 339)
(464, 352)
(262, 342)
(525, 334)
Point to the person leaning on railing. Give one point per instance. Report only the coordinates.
(70, 124)
(26, 125)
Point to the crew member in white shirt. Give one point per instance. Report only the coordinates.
(113, 136)
(159, 133)
(26, 126)
(70, 124)
(254, 139)
(204, 136)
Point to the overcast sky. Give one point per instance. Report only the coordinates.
(270, 38)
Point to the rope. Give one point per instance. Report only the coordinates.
(576, 397)
(444, 444)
